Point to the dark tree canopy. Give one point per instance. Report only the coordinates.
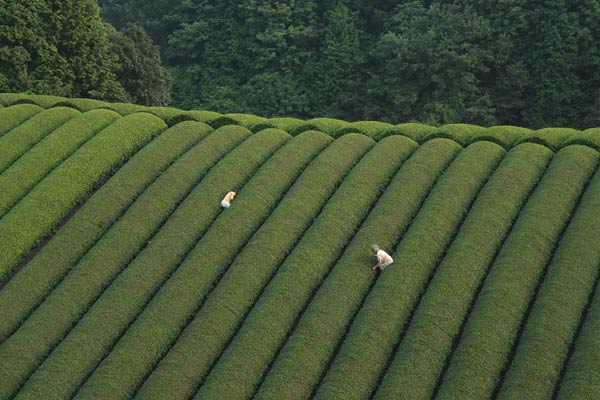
(514, 62)
(56, 47)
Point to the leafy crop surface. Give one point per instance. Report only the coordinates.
(122, 277)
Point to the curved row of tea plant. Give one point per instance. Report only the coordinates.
(464, 134)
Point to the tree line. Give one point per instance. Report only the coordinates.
(517, 62)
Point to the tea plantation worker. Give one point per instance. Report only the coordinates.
(226, 202)
(383, 258)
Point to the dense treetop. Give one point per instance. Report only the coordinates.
(509, 62)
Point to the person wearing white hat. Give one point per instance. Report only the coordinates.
(383, 258)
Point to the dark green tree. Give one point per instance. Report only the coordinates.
(56, 47)
(140, 71)
(338, 90)
(429, 66)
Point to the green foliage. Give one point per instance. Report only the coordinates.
(34, 165)
(28, 223)
(13, 116)
(482, 353)
(189, 220)
(20, 139)
(543, 345)
(391, 299)
(240, 368)
(56, 47)
(307, 351)
(95, 217)
(216, 254)
(430, 62)
(54, 317)
(581, 379)
(439, 314)
(140, 72)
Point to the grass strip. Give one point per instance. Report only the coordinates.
(168, 313)
(582, 375)
(27, 288)
(263, 255)
(552, 324)
(299, 363)
(13, 116)
(48, 324)
(417, 363)
(21, 138)
(373, 331)
(475, 367)
(38, 162)
(27, 223)
(93, 337)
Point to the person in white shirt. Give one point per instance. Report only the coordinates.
(226, 202)
(383, 258)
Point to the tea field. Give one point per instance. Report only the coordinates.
(122, 277)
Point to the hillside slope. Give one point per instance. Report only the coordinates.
(121, 276)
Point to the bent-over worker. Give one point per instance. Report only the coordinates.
(226, 202)
(383, 258)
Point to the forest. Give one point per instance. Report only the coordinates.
(511, 62)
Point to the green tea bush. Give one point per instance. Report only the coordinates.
(21, 138)
(582, 377)
(373, 331)
(194, 279)
(38, 162)
(506, 136)
(240, 368)
(13, 116)
(551, 326)
(27, 223)
(168, 246)
(482, 353)
(440, 312)
(80, 233)
(300, 362)
(52, 319)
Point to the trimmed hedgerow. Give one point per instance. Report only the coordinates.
(260, 251)
(325, 125)
(461, 133)
(6, 99)
(373, 332)
(414, 131)
(582, 376)
(246, 120)
(213, 119)
(27, 289)
(287, 124)
(504, 135)
(482, 353)
(549, 137)
(440, 312)
(28, 170)
(85, 104)
(239, 369)
(304, 356)
(589, 137)
(124, 108)
(127, 295)
(13, 116)
(44, 329)
(21, 138)
(368, 128)
(27, 223)
(208, 260)
(551, 326)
